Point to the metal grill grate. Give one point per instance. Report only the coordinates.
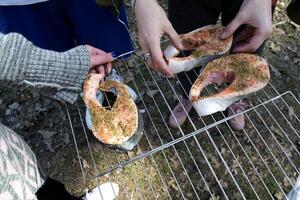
(203, 159)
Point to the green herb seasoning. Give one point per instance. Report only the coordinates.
(199, 53)
(242, 65)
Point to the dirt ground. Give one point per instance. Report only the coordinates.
(261, 161)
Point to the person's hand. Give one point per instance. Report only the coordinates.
(100, 61)
(152, 25)
(257, 15)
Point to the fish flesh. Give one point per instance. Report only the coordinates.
(113, 126)
(246, 73)
(205, 45)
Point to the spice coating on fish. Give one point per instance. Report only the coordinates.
(113, 126)
(205, 44)
(247, 73)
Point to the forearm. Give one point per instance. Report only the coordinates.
(61, 70)
(21, 61)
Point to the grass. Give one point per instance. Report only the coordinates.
(156, 176)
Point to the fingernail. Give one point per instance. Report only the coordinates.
(113, 54)
(170, 75)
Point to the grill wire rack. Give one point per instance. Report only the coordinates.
(205, 158)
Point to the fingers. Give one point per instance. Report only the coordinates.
(98, 73)
(98, 70)
(168, 72)
(101, 70)
(144, 43)
(108, 68)
(157, 61)
(92, 71)
(251, 45)
(174, 37)
(231, 27)
(100, 59)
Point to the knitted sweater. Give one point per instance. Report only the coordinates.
(21, 61)
(20, 177)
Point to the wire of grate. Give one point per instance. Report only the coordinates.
(204, 158)
(290, 163)
(159, 139)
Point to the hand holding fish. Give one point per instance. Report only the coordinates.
(152, 24)
(257, 15)
(100, 61)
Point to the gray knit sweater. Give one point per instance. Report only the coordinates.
(21, 61)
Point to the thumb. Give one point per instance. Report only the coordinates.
(174, 37)
(231, 27)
